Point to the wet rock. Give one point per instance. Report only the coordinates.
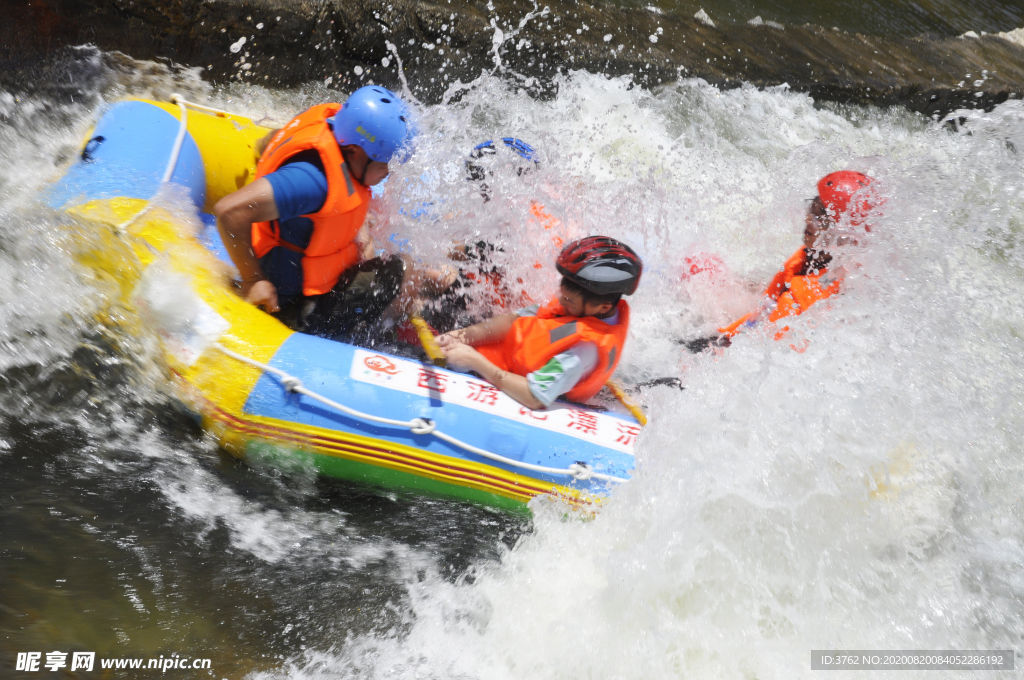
(438, 46)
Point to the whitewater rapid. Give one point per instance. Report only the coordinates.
(856, 485)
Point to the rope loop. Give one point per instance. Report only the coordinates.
(581, 471)
(422, 426)
(291, 383)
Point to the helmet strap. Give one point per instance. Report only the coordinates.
(349, 156)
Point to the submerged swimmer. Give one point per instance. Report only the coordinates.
(480, 279)
(569, 346)
(485, 156)
(805, 278)
(298, 233)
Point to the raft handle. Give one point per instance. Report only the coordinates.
(90, 148)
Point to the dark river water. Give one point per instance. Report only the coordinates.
(863, 493)
(870, 17)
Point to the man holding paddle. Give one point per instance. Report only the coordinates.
(568, 347)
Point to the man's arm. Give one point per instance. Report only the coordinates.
(541, 387)
(492, 330)
(364, 241)
(235, 214)
(458, 350)
(464, 358)
(776, 287)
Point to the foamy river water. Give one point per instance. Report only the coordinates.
(861, 493)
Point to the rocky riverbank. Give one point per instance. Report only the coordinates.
(436, 45)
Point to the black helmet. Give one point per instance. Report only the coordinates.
(601, 265)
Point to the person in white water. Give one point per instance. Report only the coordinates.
(568, 347)
(298, 233)
(805, 279)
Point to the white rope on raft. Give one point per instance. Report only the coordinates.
(579, 471)
(178, 99)
(172, 162)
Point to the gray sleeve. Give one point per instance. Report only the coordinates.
(528, 311)
(562, 372)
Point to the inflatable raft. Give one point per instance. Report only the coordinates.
(147, 178)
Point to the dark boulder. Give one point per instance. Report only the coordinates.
(438, 44)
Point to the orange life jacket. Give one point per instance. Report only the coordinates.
(535, 340)
(794, 290)
(332, 248)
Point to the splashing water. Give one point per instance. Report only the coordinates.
(862, 492)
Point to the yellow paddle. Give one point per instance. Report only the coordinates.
(619, 394)
(427, 340)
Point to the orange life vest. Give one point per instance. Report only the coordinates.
(535, 340)
(332, 248)
(794, 290)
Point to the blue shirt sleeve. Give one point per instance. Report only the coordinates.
(300, 188)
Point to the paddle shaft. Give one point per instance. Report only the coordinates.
(427, 340)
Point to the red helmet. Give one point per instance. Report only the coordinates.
(601, 265)
(837, 189)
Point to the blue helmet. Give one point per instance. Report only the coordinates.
(375, 119)
(476, 170)
(517, 145)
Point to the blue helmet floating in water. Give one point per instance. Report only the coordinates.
(476, 170)
(516, 145)
(378, 121)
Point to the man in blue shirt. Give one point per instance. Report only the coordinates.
(298, 233)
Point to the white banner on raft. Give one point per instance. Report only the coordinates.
(455, 388)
